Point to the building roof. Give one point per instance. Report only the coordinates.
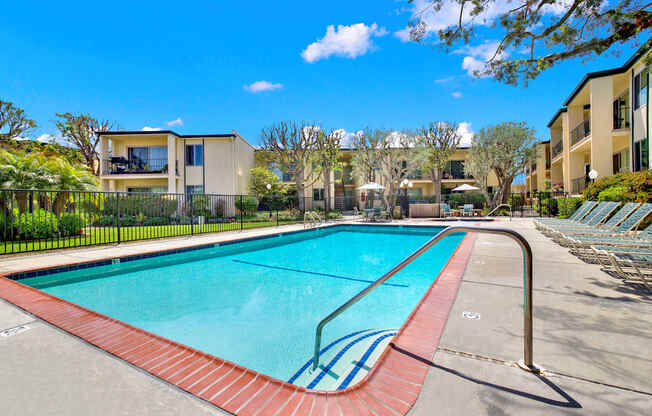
(607, 72)
(556, 116)
(181, 136)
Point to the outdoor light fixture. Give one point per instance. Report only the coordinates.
(593, 174)
(269, 186)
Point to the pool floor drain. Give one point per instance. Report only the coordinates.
(471, 315)
(13, 331)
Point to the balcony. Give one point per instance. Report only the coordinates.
(580, 131)
(124, 166)
(621, 117)
(557, 149)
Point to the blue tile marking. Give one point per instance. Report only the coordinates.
(364, 358)
(339, 355)
(315, 273)
(323, 350)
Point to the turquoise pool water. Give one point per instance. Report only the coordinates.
(257, 303)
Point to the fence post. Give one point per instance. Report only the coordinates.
(118, 195)
(192, 216)
(241, 218)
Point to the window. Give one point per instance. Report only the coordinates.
(148, 159)
(641, 155)
(621, 112)
(194, 189)
(640, 89)
(318, 194)
(621, 162)
(194, 155)
(153, 189)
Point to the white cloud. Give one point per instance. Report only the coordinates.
(147, 128)
(464, 130)
(448, 15)
(260, 86)
(477, 56)
(444, 80)
(19, 138)
(457, 94)
(345, 41)
(175, 122)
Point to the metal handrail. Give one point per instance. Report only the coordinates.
(313, 220)
(500, 206)
(527, 362)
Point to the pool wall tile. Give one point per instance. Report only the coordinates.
(390, 388)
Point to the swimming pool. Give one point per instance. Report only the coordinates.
(257, 302)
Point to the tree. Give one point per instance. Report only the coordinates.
(436, 144)
(386, 154)
(292, 145)
(67, 177)
(478, 164)
(507, 148)
(534, 34)
(259, 177)
(81, 132)
(13, 122)
(327, 152)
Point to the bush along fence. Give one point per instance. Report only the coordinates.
(35, 220)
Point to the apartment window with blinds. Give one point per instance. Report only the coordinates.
(194, 189)
(194, 155)
(621, 162)
(641, 155)
(640, 89)
(318, 194)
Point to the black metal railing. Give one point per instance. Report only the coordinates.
(557, 148)
(580, 131)
(621, 117)
(35, 220)
(120, 166)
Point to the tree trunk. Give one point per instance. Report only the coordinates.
(327, 189)
(298, 177)
(437, 181)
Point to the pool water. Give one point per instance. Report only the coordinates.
(257, 303)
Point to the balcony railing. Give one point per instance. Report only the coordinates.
(580, 131)
(557, 148)
(621, 118)
(123, 166)
(578, 185)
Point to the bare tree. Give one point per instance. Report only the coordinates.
(327, 152)
(436, 143)
(81, 132)
(292, 145)
(13, 122)
(396, 162)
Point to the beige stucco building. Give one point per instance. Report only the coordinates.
(164, 161)
(537, 174)
(602, 126)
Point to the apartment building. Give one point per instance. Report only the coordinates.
(537, 174)
(344, 184)
(603, 126)
(164, 161)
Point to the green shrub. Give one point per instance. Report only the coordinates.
(150, 205)
(37, 224)
(156, 221)
(545, 204)
(568, 205)
(246, 203)
(615, 193)
(636, 187)
(71, 223)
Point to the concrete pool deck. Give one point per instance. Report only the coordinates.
(592, 332)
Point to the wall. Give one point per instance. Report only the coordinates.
(601, 126)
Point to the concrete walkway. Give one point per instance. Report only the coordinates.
(592, 333)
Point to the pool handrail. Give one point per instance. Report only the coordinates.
(527, 362)
(312, 218)
(500, 206)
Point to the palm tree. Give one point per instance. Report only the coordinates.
(24, 172)
(67, 177)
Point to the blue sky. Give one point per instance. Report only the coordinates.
(151, 63)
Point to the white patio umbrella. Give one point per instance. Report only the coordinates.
(371, 186)
(465, 187)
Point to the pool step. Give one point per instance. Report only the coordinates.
(345, 361)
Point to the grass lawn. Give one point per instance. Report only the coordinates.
(108, 235)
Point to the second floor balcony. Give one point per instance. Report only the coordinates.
(580, 131)
(557, 149)
(621, 118)
(126, 166)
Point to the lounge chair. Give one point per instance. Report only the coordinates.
(634, 266)
(468, 210)
(581, 244)
(590, 220)
(445, 210)
(577, 216)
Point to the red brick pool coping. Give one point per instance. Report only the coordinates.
(391, 386)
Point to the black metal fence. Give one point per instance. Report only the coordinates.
(35, 220)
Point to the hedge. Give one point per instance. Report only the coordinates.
(626, 186)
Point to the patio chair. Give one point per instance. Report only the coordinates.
(634, 265)
(581, 244)
(577, 216)
(592, 218)
(468, 210)
(608, 227)
(446, 210)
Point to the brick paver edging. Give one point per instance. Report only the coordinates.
(391, 387)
